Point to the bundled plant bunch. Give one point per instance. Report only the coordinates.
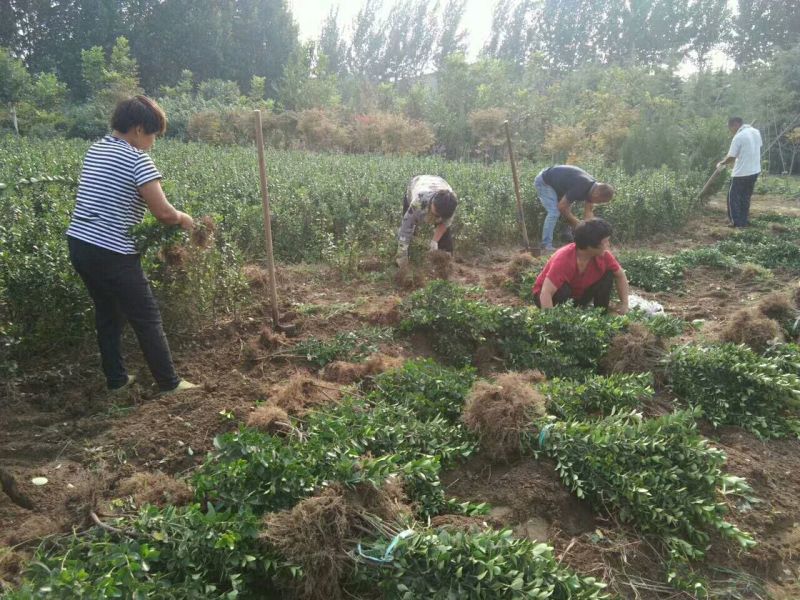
(486, 564)
(396, 429)
(598, 395)
(349, 345)
(733, 385)
(359, 470)
(564, 341)
(658, 474)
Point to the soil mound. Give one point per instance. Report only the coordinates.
(752, 328)
(498, 412)
(637, 350)
(156, 488)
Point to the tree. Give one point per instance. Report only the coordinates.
(762, 27)
(14, 83)
(332, 45)
(452, 39)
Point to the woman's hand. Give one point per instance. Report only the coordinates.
(185, 221)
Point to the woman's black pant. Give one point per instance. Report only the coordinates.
(120, 292)
(599, 293)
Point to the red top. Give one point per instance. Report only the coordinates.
(563, 268)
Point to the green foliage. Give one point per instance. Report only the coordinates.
(598, 395)
(564, 341)
(652, 272)
(786, 356)
(735, 386)
(488, 564)
(427, 388)
(407, 429)
(172, 553)
(658, 474)
(661, 325)
(349, 345)
(762, 248)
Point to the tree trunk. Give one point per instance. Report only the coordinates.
(14, 118)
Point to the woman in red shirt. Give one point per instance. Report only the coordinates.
(583, 271)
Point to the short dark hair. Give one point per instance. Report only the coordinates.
(591, 233)
(136, 111)
(605, 191)
(738, 121)
(445, 202)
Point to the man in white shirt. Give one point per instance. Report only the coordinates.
(745, 153)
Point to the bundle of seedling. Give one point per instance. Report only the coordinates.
(733, 385)
(564, 341)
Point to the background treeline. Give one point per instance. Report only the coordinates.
(578, 79)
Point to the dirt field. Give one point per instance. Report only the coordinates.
(56, 421)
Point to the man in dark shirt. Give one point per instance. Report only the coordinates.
(558, 188)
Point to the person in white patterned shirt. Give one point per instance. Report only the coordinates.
(428, 199)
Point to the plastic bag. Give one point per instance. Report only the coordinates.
(649, 307)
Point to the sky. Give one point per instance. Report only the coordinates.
(310, 14)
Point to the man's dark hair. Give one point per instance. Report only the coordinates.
(591, 233)
(136, 111)
(735, 122)
(445, 202)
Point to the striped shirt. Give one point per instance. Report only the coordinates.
(108, 202)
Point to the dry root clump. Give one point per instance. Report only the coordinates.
(441, 264)
(156, 488)
(384, 312)
(346, 372)
(12, 564)
(753, 272)
(498, 412)
(408, 278)
(270, 419)
(318, 532)
(270, 339)
(175, 255)
(637, 350)
(749, 326)
(256, 277)
(521, 263)
(203, 232)
(777, 306)
(303, 392)
(314, 536)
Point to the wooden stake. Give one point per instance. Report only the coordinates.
(262, 171)
(520, 213)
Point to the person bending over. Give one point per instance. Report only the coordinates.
(118, 183)
(558, 188)
(428, 199)
(583, 271)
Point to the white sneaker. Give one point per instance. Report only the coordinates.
(183, 386)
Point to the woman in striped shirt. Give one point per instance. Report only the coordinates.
(118, 183)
